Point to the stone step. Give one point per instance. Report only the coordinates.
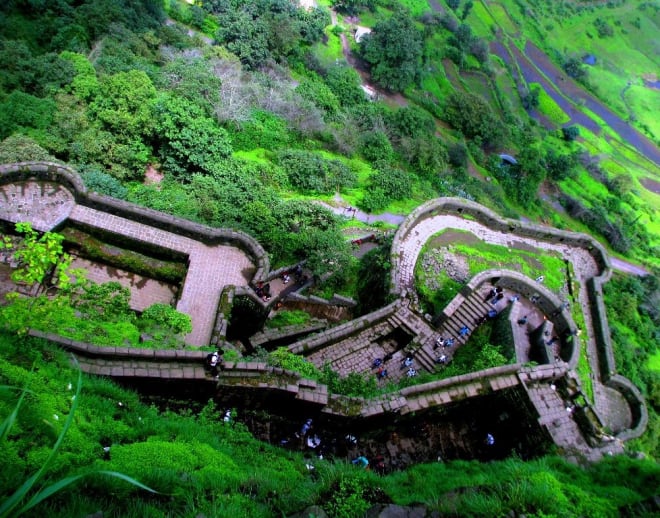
(425, 359)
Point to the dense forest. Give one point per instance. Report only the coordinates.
(246, 114)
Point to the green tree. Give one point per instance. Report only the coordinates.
(20, 148)
(320, 94)
(570, 133)
(394, 51)
(410, 121)
(85, 84)
(574, 68)
(125, 104)
(474, 117)
(39, 256)
(191, 140)
(24, 112)
(345, 84)
(376, 146)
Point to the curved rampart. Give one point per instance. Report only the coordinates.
(66, 176)
(472, 210)
(548, 303)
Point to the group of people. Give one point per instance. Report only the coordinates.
(495, 295)
(378, 363)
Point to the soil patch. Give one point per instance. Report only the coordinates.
(152, 176)
(651, 185)
(451, 236)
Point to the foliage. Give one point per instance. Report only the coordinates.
(570, 133)
(193, 141)
(394, 51)
(37, 257)
(345, 84)
(308, 172)
(165, 316)
(374, 278)
(261, 31)
(264, 130)
(20, 112)
(288, 318)
(474, 117)
(281, 357)
(98, 181)
(632, 312)
(386, 183)
(354, 384)
(376, 146)
(20, 148)
(573, 67)
(320, 94)
(12, 505)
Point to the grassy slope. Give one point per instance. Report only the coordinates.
(203, 465)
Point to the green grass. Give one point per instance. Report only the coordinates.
(645, 105)
(502, 18)
(480, 20)
(288, 318)
(436, 290)
(548, 106)
(653, 362)
(330, 52)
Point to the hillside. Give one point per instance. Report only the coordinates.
(269, 117)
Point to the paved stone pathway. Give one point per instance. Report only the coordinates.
(211, 268)
(44, 204)
(420, 234)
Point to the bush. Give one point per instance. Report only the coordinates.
(570, 133)
(103, 183)
(288, 318)
(281, 357)
(311, 173)
(376, 146)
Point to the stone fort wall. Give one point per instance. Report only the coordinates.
(66, 176)
(483, 215)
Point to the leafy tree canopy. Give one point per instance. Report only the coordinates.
(394, 51)
(474, 117)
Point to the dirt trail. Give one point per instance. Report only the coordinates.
(570, 88)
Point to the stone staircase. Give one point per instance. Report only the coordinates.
(470, 312)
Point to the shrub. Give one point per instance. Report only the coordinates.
(288, 318)
(570, 133)
(103, 183)
(376, 146)
(281, 357)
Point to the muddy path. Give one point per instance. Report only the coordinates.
(514, 57)
(570, 88)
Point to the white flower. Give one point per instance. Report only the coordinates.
(69, 386)
(56, 417)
